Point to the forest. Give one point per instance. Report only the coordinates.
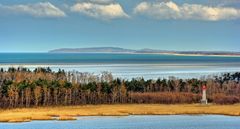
(21, 87)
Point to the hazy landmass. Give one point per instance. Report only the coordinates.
(93, 50)
(141, 51)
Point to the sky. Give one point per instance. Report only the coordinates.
(43, 25)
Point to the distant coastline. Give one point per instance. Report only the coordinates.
(117, 50)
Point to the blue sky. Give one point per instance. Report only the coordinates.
(39, 26)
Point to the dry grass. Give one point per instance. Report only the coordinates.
(66, 118)
(69, 112)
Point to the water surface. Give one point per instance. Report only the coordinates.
(127, 66)
(135, 122)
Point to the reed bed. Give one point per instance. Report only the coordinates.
(71, 112)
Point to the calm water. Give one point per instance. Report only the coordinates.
(100, 58)
(135, 122)
(126, 65)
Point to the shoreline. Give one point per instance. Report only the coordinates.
(151, 53)
(71, 112)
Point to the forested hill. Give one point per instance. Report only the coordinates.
(20, 87)
(141, 51)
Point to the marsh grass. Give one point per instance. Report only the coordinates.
(66, 118)
(71, 112)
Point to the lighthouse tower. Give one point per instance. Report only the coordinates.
(204, 95)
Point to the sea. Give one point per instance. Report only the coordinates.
(135, 122)
(127, 66)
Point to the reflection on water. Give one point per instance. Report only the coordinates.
(135, 122)
(126, 66)
(148, 71)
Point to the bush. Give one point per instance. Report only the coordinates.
(225, 99)
(165, 97)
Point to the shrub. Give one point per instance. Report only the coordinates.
(225, 99)
(165, 97)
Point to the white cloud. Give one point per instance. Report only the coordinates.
(170, 10)
(101, 1)
(42, 9)
(100, 11)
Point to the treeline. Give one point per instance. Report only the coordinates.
(21, 87)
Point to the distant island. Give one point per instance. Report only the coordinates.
(142, 51)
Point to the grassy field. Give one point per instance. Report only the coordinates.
(70, 112)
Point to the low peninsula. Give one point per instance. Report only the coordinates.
(118, 50)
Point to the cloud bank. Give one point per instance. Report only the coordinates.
(101, 1)
(170, 10)
(106, 11)
(41, 9)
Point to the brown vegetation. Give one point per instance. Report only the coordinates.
(66, 118)
(42, 87)
(165, 98)
(223, 99)
(70, 112)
